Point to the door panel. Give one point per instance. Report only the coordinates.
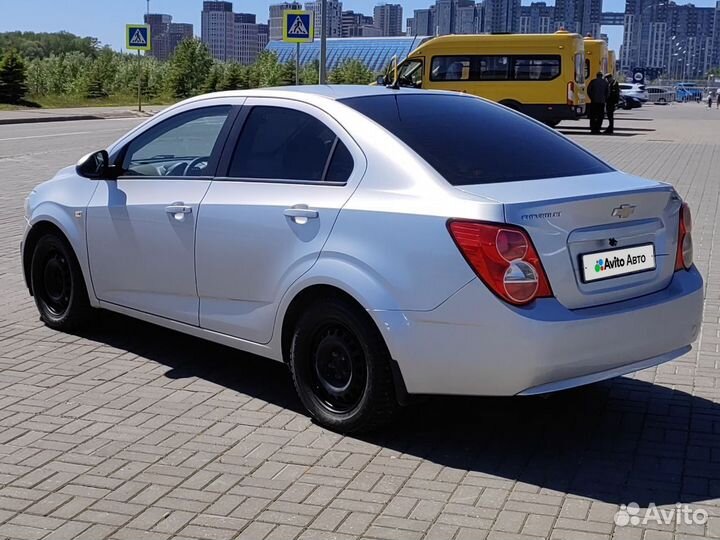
(255, 237)
(142, 252)
(141, 227)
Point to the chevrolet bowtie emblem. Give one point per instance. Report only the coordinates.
(623, 211)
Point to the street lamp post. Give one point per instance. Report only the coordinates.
(323, 41)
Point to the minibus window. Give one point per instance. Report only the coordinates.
(536, 68)
(579, 75)
(495, 68)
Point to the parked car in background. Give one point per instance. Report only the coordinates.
(660, 96)
(688, 91)
(634, 90)
(629, 102)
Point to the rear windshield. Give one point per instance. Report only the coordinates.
(470, 141)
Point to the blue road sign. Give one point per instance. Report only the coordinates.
(137, 37)
(298, 26)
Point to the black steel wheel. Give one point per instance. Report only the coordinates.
(341, 367)
(57, 284)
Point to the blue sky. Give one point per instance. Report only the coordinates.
(106, 19)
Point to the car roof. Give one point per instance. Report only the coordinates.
(311, 93)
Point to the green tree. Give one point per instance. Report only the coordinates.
(189, 68)
(33, 45)
(214, 80)
(266, 71)
(236, 77)
(351, 71)
(13, 85)
(310, 73)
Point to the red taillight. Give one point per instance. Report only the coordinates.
(505, 259)
(684, 257)
(571, 93)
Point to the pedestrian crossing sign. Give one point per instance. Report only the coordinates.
(298, 26)
(137, 37)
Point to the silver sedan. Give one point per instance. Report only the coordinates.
(380, 242)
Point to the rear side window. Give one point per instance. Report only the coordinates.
(470, 141)
(285, 144)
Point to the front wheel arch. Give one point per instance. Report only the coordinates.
(38, 230)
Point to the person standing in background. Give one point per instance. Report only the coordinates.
(613, 98)
(597, 91)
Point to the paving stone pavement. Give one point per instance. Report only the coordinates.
(132, 432)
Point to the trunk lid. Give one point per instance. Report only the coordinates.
(574, 216)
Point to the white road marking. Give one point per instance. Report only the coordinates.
(66, 134)
(45, 136)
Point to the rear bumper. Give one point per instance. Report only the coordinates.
(474, 344)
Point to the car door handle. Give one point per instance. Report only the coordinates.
(301, 212)
(178, 209)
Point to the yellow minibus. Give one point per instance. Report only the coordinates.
(596, 57)
(540, 75)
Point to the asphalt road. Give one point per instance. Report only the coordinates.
(129, 431)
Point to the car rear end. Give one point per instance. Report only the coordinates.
(586, 275)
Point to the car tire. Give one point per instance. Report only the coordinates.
(662, 100)
(58, 285)
(341, 367)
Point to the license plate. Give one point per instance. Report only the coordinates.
(618, 262)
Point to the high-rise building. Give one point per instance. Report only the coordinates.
(537, 18)
(276, 18)
(693, 28)
(467, 20)
(716, 35)
(232, 37)
(178, 33)
(247, 42)
(263, 36)
(581, 16)
(165, 35)
(334, 17)
(502, 16)
(663, 37)
(218, 30)
(423, 22)
(357, 25)
(388, 18)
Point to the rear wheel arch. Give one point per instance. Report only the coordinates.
(317, 293)
(306, 297)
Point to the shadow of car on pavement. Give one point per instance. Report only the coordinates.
(619, 441)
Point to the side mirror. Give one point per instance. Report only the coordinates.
(95, 166)
(381, 80)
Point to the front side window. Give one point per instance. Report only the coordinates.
(285, 144)
(470, 141)
(179, 146)
(410, 73)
